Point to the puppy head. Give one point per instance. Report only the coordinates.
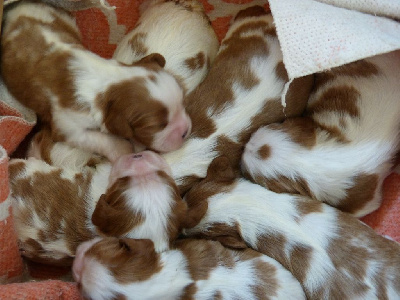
(142, 201)
(102, 265)
(148, 108)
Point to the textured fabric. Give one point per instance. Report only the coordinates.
(102, 28)
(317, 36)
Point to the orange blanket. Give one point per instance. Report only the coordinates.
(101, 30)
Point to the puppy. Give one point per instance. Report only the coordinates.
(344, 147)
(113, 268)
(331, 253)
(180, 31)
(55, 209)
(60, 154)
(240, 93)
(90, 102)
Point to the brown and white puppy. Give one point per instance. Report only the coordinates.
(331, 253)
(53, 207)
(240, 93)
(344, 147)
(180, 31)
(60, 154)
(113, 268)
(90, 102)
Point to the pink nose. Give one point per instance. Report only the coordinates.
(185, 134)
(137, 156)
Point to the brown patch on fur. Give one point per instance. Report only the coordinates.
(189, 292)
(300, 257)
(15, 168)
(229, 236)
(130, 111)
(302, 130)
(342, 99)
(112, 215)
(359, 194)
(361, 68)
(281, 72)
(196, 62)
(264, 152)
(218, 296)
(129, 260)
(119, 297)
(30, 249)
(187, 183)
(179, 208)
(45, 144)
(63, 211)
(267, 283)
(204, 256)
(30, 51)
(306, 206)
(297, 95)
(220, 176)
(333, 132)
(152, 61)
(272, 112)
(213, 94)
(138, 44)
(253, 11)
(282, 184)
(273, 246)
(230, 149)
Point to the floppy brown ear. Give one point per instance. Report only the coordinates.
(103, 216)
(153, 58)
(114, 119)
(141, 246)
(195, 214)
(220, 169)
(111, 220)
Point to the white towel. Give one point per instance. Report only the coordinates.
(319, 35)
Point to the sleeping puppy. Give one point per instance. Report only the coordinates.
(331, 253)
(344, 147)
(60, 154)
(89, 102)
(240, 93)
(113, 268)
(180, 31)
(55, 209)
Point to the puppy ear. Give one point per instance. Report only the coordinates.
(153, 58)
(112, 217)
(115, 121)
(104, 215)
(138, 246)
(195, 214)
(220, 170)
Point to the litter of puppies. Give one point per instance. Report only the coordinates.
(245, 199)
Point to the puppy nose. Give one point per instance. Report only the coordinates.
(137, 156)
(185, 134)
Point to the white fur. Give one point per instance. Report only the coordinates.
(176, 33)
(330, 166)
(197, 153)
(92, 76)
(236, 282)
(258, 212)
(147, 195)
